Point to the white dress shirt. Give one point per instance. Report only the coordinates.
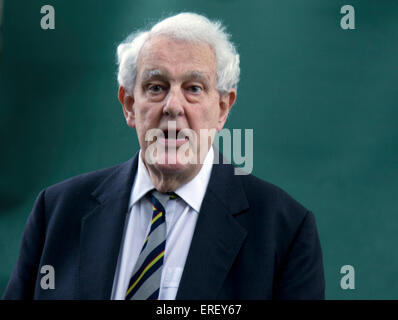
(181, 216)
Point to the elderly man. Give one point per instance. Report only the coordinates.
(171, 223)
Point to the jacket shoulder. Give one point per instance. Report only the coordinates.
(272, 199)
(82, 182)
(77, 190)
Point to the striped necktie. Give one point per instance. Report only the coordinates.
(145, 281)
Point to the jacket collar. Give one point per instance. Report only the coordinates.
(102, 231)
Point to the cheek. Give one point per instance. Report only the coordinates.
(209, 118)
(204, 116)
(149, 116)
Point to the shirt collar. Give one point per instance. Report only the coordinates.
(142, 182)
(192, 192)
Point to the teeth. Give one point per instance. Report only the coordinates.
(172, 134)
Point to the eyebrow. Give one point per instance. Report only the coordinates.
(196, 75)
(154, 74)
(164, 75)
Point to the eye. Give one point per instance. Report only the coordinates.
(155, 88)
(194, 89)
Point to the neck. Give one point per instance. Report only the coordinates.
(171, 181)
(167, 180)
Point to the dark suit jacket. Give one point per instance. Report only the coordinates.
(252, 240)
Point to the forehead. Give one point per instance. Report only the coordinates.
(177, 57)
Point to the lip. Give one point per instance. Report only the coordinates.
(172, 142)
(171, 139)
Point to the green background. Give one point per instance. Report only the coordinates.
(322, 102)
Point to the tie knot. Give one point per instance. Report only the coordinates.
(172, 195)
(162, 198)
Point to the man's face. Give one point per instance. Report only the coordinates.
(175, 90)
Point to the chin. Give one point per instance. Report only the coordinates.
(171, 164)
(173, 169)
(171, 160)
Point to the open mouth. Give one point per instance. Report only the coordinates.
(173, 134)
(171, 138)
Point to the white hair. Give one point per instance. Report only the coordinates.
(186, 26)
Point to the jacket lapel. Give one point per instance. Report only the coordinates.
(217, 237)
(216, 241)
(101, 233)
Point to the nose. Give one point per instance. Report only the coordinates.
(174, 105)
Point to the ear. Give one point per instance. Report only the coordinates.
(127, 102)
(227, 100)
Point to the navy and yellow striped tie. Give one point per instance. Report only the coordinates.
(145, 281)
